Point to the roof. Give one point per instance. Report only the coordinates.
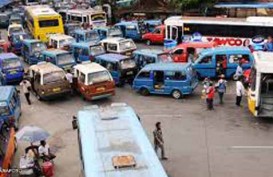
(45, 67)
(115, 131)
(4, 56)
(54, 52)
(85, 44)
(196, 44)
(149, 52)
(15, 25)
(83, 31)
(167, 66)
(244, 5)
(112, 57)
(85, 11)
(5, 92)
(115, 40)
(88, 67)
(29, 41)
(264, 61)
(41, 10)
(60, 37)
(225, 49)
(249, 21)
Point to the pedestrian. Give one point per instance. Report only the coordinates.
(158, 140)
(69, 77)
(26, 86)
(269, 44)
(240, 91)
(210, 95)
(239, 71)
(221, 87)
(44, 151)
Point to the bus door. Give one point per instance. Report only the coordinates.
(174, 33)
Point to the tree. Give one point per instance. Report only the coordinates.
(190, 3)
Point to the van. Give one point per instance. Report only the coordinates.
(209, 63)
(31, 50)
(93, 81)
(60, 41)
(82, 35)
(175, 79)
(156, 36)
(48, 81)
(10, 106)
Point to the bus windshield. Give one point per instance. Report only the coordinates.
(66, 58)
(4, 110)
(19, 38)
(55, 76)
(115, 32)
(16, 30)
(66, 42)
(11, 63)
(37, 47)
(98, 77)
(127, 45)
(127, 64)
(98, 17)
(97, 50)
(92, 36)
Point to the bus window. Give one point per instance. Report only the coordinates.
(48, 23)
(85, 52)
(206, 60)
(144, 74)
(175, 76)
(82, 78)
(112, 47)
(238, 59)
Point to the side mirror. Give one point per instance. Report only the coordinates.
(74, 123)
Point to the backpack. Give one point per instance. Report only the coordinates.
(222, 87)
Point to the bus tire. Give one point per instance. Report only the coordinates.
(144, 92)
(148, 42)
(176, 94)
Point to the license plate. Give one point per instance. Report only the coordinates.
(130, 73)
(56, 89)
(100, 89)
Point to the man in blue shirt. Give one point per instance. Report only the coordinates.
(269, 44)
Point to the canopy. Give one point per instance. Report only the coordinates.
(244, 5)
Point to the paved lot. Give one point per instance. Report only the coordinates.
(226, 142)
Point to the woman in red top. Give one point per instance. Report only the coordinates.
(210, 95)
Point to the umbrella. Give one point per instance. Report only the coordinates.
(31, 134)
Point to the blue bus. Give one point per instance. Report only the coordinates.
(112, 142)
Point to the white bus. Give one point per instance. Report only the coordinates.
(112, 143)
(223, 31)
(92, 17)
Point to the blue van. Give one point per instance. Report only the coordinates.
(60, 58)
(85, 51)
(175, 79)
(31, 50)
(143, 57)
(16, 41)
(135, 29)
(82, 35)
(122, 68)
(106, 32)
(11, 68)
(10, 106)
(222, 60)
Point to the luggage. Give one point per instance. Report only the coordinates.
(48, 168)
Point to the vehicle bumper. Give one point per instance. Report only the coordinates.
(14, 77)
(62, 93)
(98, 96)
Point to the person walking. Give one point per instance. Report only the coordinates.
(44, 151)
(158, 140)
(26, 86)
(69, 77)
(240, 91)
(221, 88)
(239, 71)
(210, 95)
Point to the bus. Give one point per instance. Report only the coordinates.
(92, 17)
(43, 21)
(260, 92)
(112, 142)
(222, 31)
(30, 2)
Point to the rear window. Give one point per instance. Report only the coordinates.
(48, 23)
(144, 74)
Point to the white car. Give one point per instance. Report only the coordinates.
(15, 28)
(60, 41)
(119, 45)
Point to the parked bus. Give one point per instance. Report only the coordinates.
(222, 31)
(112, 142)
(260, 94)
(93, 17)
(43, 21)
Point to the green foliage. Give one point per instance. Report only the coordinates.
(190, 3)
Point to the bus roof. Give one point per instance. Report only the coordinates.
(88, 67)
(85, 44)
(40, 10)
(60, 37)
(244, 5)
(249, 21)
(111, 132)
(85, 11)
(225, 49)
(5, 92)
(29, 41)
(54, 52)
(4, 56)
(264, 61)
(45, 67)
(166, 66)
(112, 57)
(149, 52)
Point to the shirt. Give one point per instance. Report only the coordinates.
(210, 92)
(44, 150)
(69, 77)
(221, 81)
(240, 89)
(158, 138)
(239, 71)
(269, 46)
(25, 84)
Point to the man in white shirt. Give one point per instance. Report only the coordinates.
(69, 77)
(239, 70)
(240, 91)
(26, 86)
(44, 152)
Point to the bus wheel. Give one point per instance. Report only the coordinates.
(148, 42)
(176, 94)
(144, 92)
